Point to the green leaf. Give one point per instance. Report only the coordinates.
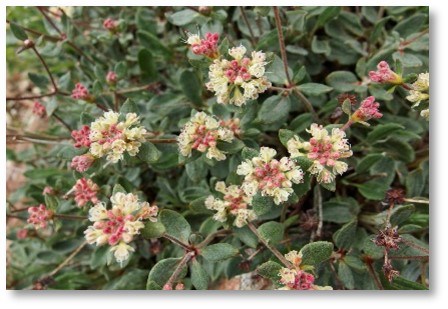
(340, 210)
(246, 236)
(249, 153)
(285, 135)
(273, 109)
(342, 81)
(320, 47)
(328, 14)
(153, 230)
(39, 80)
(346, 275)
(316, 252)
(272, 232)
(314, 89)
(400, 283)
(347, 107)
(43, 173)
(149, 153)
(191, 86)
(270, 270)
(219, 252)
(175, 225)
(18, 32)
(374, 189)
(196, 170)
(367, 162)
(86, 118)
(383, 131)
(401, 213)
(153, 43)
(329, 186)
(301, 122)
(235, 146)
(118, 188)
(162, 271)
(147, 64)
(199, 277)
(411, 25)
(129, 106)
(51, 202)
(415, 182)
(344, 237)
(120, 69)
(262, 204)
(182, 18)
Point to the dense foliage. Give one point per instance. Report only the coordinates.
(183, 146)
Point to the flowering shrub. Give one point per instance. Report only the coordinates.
(173, 148)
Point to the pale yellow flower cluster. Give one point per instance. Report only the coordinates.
(269, 176)
(118, 225)
(419, 93)
(325, 150)
(235, 202)
(202, 133)
(239, 80)
(111, 137)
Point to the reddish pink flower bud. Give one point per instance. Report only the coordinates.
(367, 110)
(180, 286)
(167, 287)
(39, 216)
(110, 24)
(385, 75)
(81, 137)
(111, 77)
(39, 109)
(207, 47)
(85, 191)
(22, 234)
(82, 163)
(81, 93)
(48, 190)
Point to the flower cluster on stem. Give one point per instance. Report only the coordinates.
(111, 137)
(325, 150)
(384, 74)
(117, 226)
(238, 80)
(420, 92)
(235, 202)
(85, 191)
(82, 137)
(39, 109)
(368, 109)
(202, 133)
(269, 176)
(80, 92)
(207, 47)
(39, 216)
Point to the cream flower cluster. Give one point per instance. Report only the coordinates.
(235, 202)
(239, 80)
(202, 133)
(295, 278)
(118, 226)
(419, 93)
(112, 138)
(269, 176)
(325, 150)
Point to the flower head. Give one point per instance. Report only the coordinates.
(39, 216)
(367, 110)
(269, 176)
(384, 74)
(110, 24)
(235, 202)
(202, 133)
(111, 137)
(80, 92)
(240, 79)
(81, 137)
(422, 83)
(325, 150)
(388, 238)
(82, 163)
(207, 46)
(233, 124)
(39, 109)
(420, 92)
(85, 191)
(111, 77)
(22, 234)
(48, 190)
(118, 225)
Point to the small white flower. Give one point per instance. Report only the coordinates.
(121, 251)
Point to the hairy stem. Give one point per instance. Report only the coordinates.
(185, 259)
(252, 36)
(177, 242)
(281, 42)
(67, 260)
(307, 103)
(373, 274)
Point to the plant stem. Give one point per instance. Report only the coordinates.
(307, 103)
(267, 245)
(62, 122)
(55, 87)
(69, 217)
(177, 242)
(281, 42)
(410, 257)
(33, 97)
(373, 274)
(252, 37)
(67, 260)
(347, 125)
(187, 257)
(319, 211)
(411, 200)
(162, 140)
(415, 246)
(212, 236)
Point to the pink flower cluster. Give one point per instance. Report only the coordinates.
(22, 234)
(203, 138)
(235, 70)
(81, 137)
(39, 216)
(39, 109)
(384, 74)
(85, 191)
(233, 124)
(299, 280)
(367, 110)
(80, 92)
(82, 163)
(322, 151)
(269, 175)
(208, 46)
(111, 77)
(110, 24)
(48, 190)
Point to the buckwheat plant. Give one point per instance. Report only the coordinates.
(286, 148)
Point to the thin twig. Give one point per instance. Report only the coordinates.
(212, 236)
(252, 36)
(69, 217)
(65, 124)
(67, 260)
(187, 257)
(177, 242)
(319, 211)
(410, 257)
(307, 103)
(415, 246)
(33, 97)
(162, 140)
(373, 275)
(268, 246)
(281, 42)
(55, 87)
